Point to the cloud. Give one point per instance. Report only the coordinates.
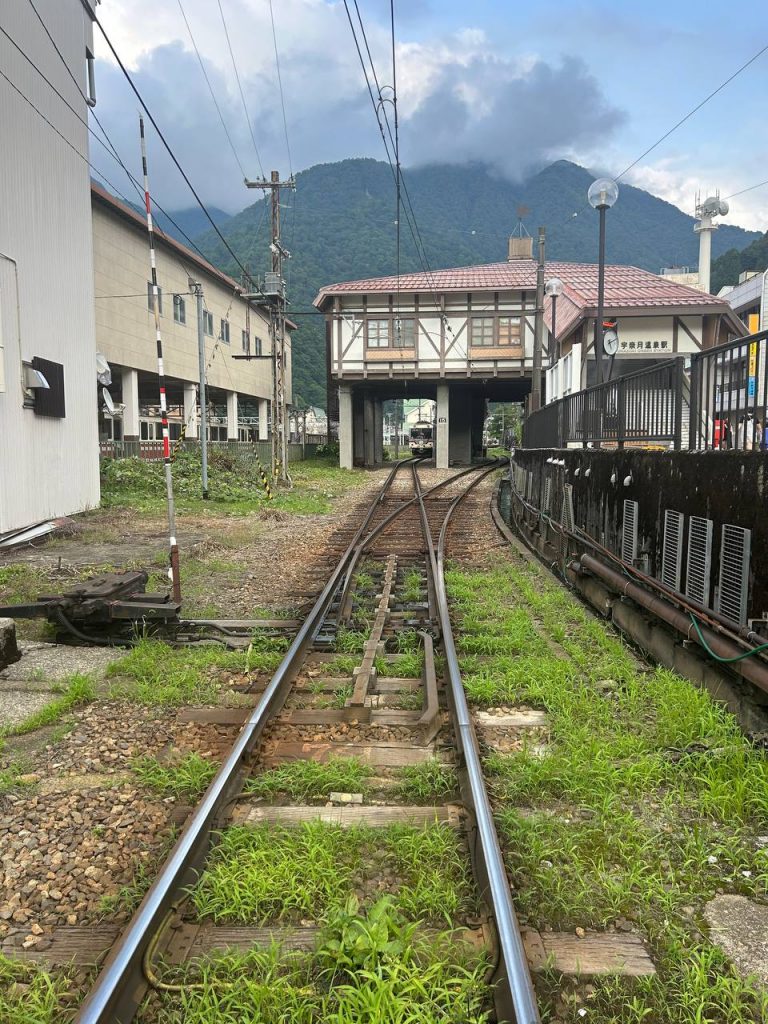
(459, 99)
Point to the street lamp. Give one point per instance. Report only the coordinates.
(553, 288)
(601, 196)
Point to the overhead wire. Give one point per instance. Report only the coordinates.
(410, 214)
(693, 111)
(168, 149)
(240, 87)
(743, 190)
(280, 84)
(210, 89)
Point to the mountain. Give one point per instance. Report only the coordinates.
(339, 225)
(726, 268)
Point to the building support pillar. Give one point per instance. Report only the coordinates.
(369, 431)
(232, 434)
(378, 431)
(345, 427)
(130, 390)
(442, 427)
(190, 409)
(263, 419)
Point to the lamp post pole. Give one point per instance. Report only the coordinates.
(602, 194)
(600, 298)
(553, 288)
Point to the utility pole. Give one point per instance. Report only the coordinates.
(538, 328)
(274, 289)
(197, 288)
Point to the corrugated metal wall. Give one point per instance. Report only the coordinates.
(48, 466)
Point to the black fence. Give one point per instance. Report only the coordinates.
(711, 399)
(729, 393)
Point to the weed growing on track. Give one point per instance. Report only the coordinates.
(75, 692)
(310, 780)
(28, 994)
(412, 587)
(271, 873)
(430, 782)
(155, 674)
(350, 641)
(366, 969)
(188, 777)
(647, 803)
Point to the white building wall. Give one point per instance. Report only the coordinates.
(442, 346)
(48, 467)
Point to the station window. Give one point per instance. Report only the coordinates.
(378, 333)
(509, 330)
(488, 331)
(208, 323)
(151, 301)
(257, 346)
(225, 331)
(246, 341)
(399, 332)
(482, 330)
(179, 309)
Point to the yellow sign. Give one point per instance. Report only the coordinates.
(753, 323)
(753, 359)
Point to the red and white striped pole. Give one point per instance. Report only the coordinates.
(174, 548)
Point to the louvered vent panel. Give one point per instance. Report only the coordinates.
(672, 551)
(735, 544)
(566, 516)
(629, 532)
(699, 565)
(547, 506)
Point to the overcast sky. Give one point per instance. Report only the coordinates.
(515, 85)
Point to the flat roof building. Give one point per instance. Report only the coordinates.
(239, 391)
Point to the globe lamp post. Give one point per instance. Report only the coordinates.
(601, 196)
(553, 288)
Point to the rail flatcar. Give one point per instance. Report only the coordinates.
(421, 442)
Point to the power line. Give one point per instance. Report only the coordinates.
(210, 89)
(692, 112)
(170, 152)
(280, 83)
(240, 87)
(410, 214)
(750, 189)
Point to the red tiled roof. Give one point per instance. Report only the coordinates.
(624, 286)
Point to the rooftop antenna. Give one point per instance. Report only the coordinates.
(713, 206)
(521, 231)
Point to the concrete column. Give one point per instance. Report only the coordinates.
(263, 419)
(369, 431)
(442, 427)
(232, 416)
(130, 384)
(190, 409)
(460, 424)
(345, 427)
(378, 431)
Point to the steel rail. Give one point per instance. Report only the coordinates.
(120, 984)
(366, 541)
(514, 993)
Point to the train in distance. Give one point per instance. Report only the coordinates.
(421, 440)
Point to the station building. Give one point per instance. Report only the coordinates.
(238, 392)
(465, 336)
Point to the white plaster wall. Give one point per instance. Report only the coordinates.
(48, 466)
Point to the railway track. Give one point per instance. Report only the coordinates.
(342, 689)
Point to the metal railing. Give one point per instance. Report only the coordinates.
(729, 396)
(152, 451)
(714, 399)
(643, 407)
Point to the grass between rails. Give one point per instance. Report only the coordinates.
(366, 969)
(267, 873)
(235, 487)
(648, 802)
(30, 995)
